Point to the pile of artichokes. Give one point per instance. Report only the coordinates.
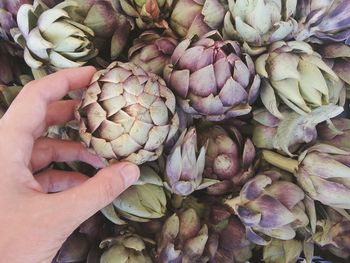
(236, 111)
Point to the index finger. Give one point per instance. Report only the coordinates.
(25, 117)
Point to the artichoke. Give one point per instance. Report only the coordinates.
(211, 78)
(230, 158)
(295, 74)
(270, 208)
(282, 251)
(333, 233)
(259, 23)
(336, 133)
(127, 114)
(190, 17)
(7, 22)
(143, 201)
(324, 21)
(294, 130)
(323, 171)
(105, 17)
(337, 57)
(227, 241)
(127, 248)
(148, 13)
(51, 39)
(152, 51)
(182, 239)
(184, 166)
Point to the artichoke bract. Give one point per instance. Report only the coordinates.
(230, 158)
(324, 21)
(185, 166)
(152, 51)
(143, 201)
(51, 39)
(196, 17)
(323, 171)
(270, 208)
(127, 248)
(211, 78)
(127, 114)
(333, 233)
(259, 23)
(297, 76)
(182, 239)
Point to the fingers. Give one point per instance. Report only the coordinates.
(81, 202)
(60, 112)
(56, 181)
(24, 120)
(46, 151)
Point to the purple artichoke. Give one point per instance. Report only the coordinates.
(324, 21)
(184, 166)
(336, 133)
(211, 78)
(229, 158)
(152, 51)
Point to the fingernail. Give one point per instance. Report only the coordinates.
(130, 173)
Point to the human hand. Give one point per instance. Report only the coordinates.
(34, 224)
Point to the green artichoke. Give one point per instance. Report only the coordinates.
(127, 248)
(127, 114)
(105, 17)
(323, 171)
(51, 39)
(333, 233)
(230, 158)
(143, 201)
(295, 75)
(182, 239)
(270, 208)
(324, 21)
(196, 17)
(211, 78)
(337, 57)
(152, 52)
(227, 241)
(293, 131)
(259, 23)
(185, 166)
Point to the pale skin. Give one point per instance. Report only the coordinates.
(33, 223)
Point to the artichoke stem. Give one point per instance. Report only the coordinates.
(282, 162)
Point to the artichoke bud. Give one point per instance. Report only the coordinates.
(51, 38)
(211, 79)
(152, 51)
(127, 114)
(336, 132)
(184, 166)
(183, 237)
(281, 251)
(333, 233)
(125, 248)
(268, 209)
(229, 158)
(302, 83)
(142, 202)
(292, 131)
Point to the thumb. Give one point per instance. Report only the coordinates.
(79, 203)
